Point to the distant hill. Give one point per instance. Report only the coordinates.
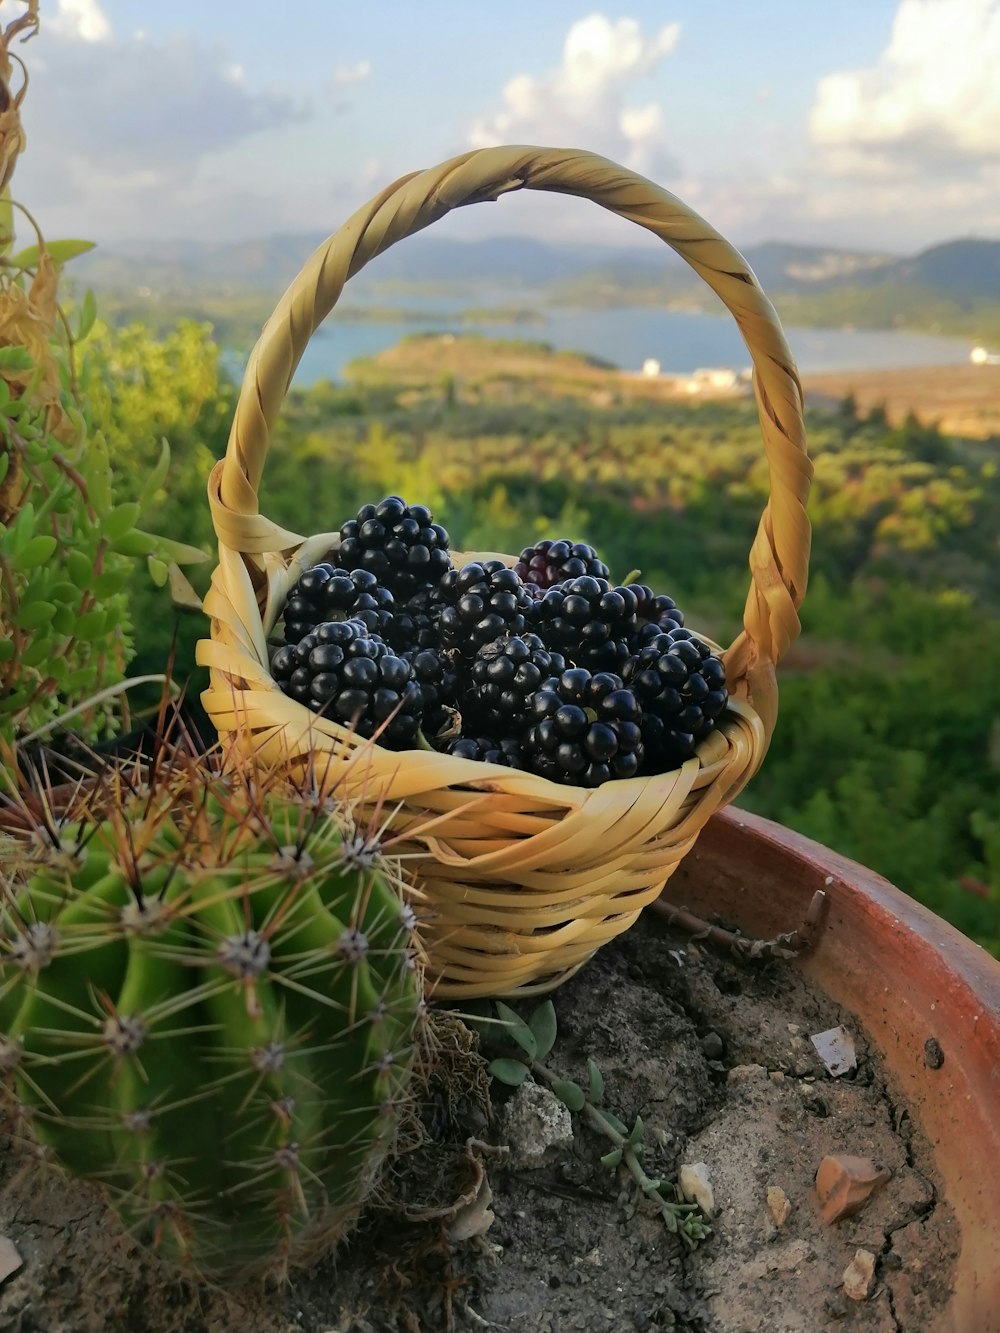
(952, 287)
(966, 269)
(506, 261)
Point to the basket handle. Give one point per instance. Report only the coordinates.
(779, 556)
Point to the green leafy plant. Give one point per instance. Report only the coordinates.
(535, 1037)
(66, 544)
(67, 540)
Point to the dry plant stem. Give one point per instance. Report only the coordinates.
(673, 1214)
(788, 945)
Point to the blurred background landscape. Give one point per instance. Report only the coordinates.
(532, 369)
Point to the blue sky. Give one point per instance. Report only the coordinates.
(872, 124)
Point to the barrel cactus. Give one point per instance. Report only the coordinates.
(210, 1002)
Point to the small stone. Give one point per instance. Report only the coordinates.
(844, 1184)
(933, 1054)
(746, 1073)
(712, 1046)
(10, 1260)
(696, 1187)
(835, 1048)
(779, 1205)
(859, 1276)
(536, 1126)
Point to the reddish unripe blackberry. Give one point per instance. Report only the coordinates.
(588, 621)
(504, 675)
(487, 750)
(681, 687)
(342, 671)
(586, 729)
(324, 593)
(483, 601)
(549, 562)
(399, 543)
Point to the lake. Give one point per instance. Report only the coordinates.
(680, 341)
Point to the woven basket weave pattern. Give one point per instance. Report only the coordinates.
(520, 879)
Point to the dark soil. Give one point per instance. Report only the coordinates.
(715, 1056)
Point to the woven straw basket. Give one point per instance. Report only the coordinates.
(520, 879)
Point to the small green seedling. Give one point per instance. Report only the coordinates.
(535, 1038)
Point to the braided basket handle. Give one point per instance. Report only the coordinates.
(780, 553)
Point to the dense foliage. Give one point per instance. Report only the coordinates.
(888, 744)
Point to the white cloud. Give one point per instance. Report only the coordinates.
(931, 102)
(84, 20)
(347, 76)
(581, 103)
(154, 112)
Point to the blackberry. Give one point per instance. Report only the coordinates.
(342, 671)
(437, 677)
(504, 675)
(589, 621)
(324, 593)
(483, 602)
(550, 562)
(658, 614)
(586, 729)
(399, 543)
(487, 751)
(416, 622)
(681, 687)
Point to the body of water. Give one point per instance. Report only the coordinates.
(680, 341)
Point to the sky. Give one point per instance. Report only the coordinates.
(868, 124)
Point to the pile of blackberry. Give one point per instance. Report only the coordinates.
(548, 666)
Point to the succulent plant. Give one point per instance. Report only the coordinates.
(210, 1003)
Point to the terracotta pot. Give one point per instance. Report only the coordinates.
(909, 977)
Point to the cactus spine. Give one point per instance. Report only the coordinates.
(210, 1002)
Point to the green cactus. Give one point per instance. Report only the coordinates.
(210, 1002)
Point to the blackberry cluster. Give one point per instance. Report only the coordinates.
(589, 621)
(483, 601)
(680, 685)
(324, 593)
(586, 729)
(399, 543)
(416, 622)
(504, 675)
(549, 562)
(352, 676)
(546, 667)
